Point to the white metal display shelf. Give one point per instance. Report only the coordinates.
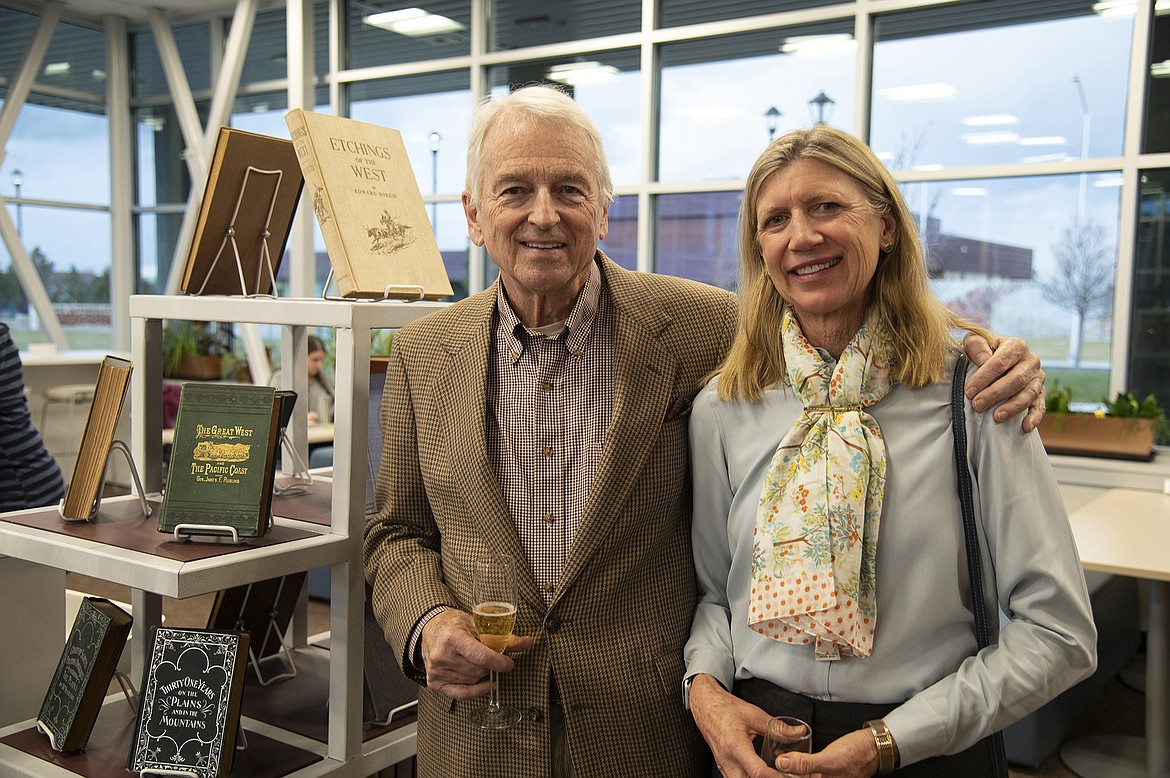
(165, 576)
(339, 546)
(385, 750)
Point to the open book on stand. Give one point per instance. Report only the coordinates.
(367, 202)
(223, 459)
(253, 186)
(90, 469)
(84, 673)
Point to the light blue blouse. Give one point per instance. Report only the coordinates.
(924, 646)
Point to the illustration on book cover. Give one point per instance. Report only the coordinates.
(391, 237)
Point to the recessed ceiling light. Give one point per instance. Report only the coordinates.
(990, 120)
(1044, 140)
(988, 138)
(819, 45)
(1059, 157)
(413, 22)
(56, 68)
(1127, 7)
(576, 73)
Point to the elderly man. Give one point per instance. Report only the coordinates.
(545, 419)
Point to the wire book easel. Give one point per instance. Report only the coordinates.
(229, 238)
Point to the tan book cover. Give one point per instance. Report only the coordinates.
(89, 470)
(254, 183)
(368, 204)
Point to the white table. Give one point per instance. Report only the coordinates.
(1127, 532)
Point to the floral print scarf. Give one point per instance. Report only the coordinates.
(813, 566)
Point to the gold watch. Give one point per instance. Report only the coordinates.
(886, 747)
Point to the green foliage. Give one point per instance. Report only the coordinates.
(1123, 406)
(380, 342)
(1126, 405)
(196, 338)
(1058, 399)
(1084, 383)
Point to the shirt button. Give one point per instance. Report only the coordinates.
(548, 451)
(548, 518)
(548, 587)
(546, 386)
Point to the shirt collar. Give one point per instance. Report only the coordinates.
(577, 326)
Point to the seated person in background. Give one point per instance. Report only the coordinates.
(29, 476)
(831, 414)
(320, 401)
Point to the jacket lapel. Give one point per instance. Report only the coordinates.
(644, 376)
(461, 398)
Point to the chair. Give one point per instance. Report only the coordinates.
(70, 394)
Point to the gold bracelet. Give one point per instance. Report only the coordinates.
(886, 748)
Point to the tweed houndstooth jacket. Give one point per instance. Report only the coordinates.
(613, 635)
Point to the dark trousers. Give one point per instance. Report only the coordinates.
(831, 720)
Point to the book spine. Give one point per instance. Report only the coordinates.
(318, 191)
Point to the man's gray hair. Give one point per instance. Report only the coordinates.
(534, 104)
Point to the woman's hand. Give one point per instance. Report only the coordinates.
(729, 725)
(854, 756)
(1011, 375)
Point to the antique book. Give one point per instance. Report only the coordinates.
(368, 204)
(263, 609)
(223, 459)
(386, 692)
(189, 703)
(90, 468)
(83, 674)
(253, 186)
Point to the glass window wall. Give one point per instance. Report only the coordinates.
(388, 33)
(723, 99)
(520, 24)
(1149, 346)
(1034, 257)
(998, 82)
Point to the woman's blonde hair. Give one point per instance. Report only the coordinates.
(901, 298)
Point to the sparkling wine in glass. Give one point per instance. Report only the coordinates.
(494, 584)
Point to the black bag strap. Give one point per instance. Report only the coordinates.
(971, 538)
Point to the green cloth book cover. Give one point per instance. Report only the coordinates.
(83, 674)
(223, 459)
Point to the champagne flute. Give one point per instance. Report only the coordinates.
(494, 583)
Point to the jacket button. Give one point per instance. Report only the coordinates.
(552, 625)
(535, 715)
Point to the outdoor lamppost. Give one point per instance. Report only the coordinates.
(434, 138)
(16, 182)
(821, 107)
(772, 115)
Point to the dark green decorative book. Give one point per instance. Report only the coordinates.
(223, 458)
(189, 704)
(83, 675)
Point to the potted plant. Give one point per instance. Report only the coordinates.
(1122, 428)
(197, 350)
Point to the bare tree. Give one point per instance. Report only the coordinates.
(1083, 283)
